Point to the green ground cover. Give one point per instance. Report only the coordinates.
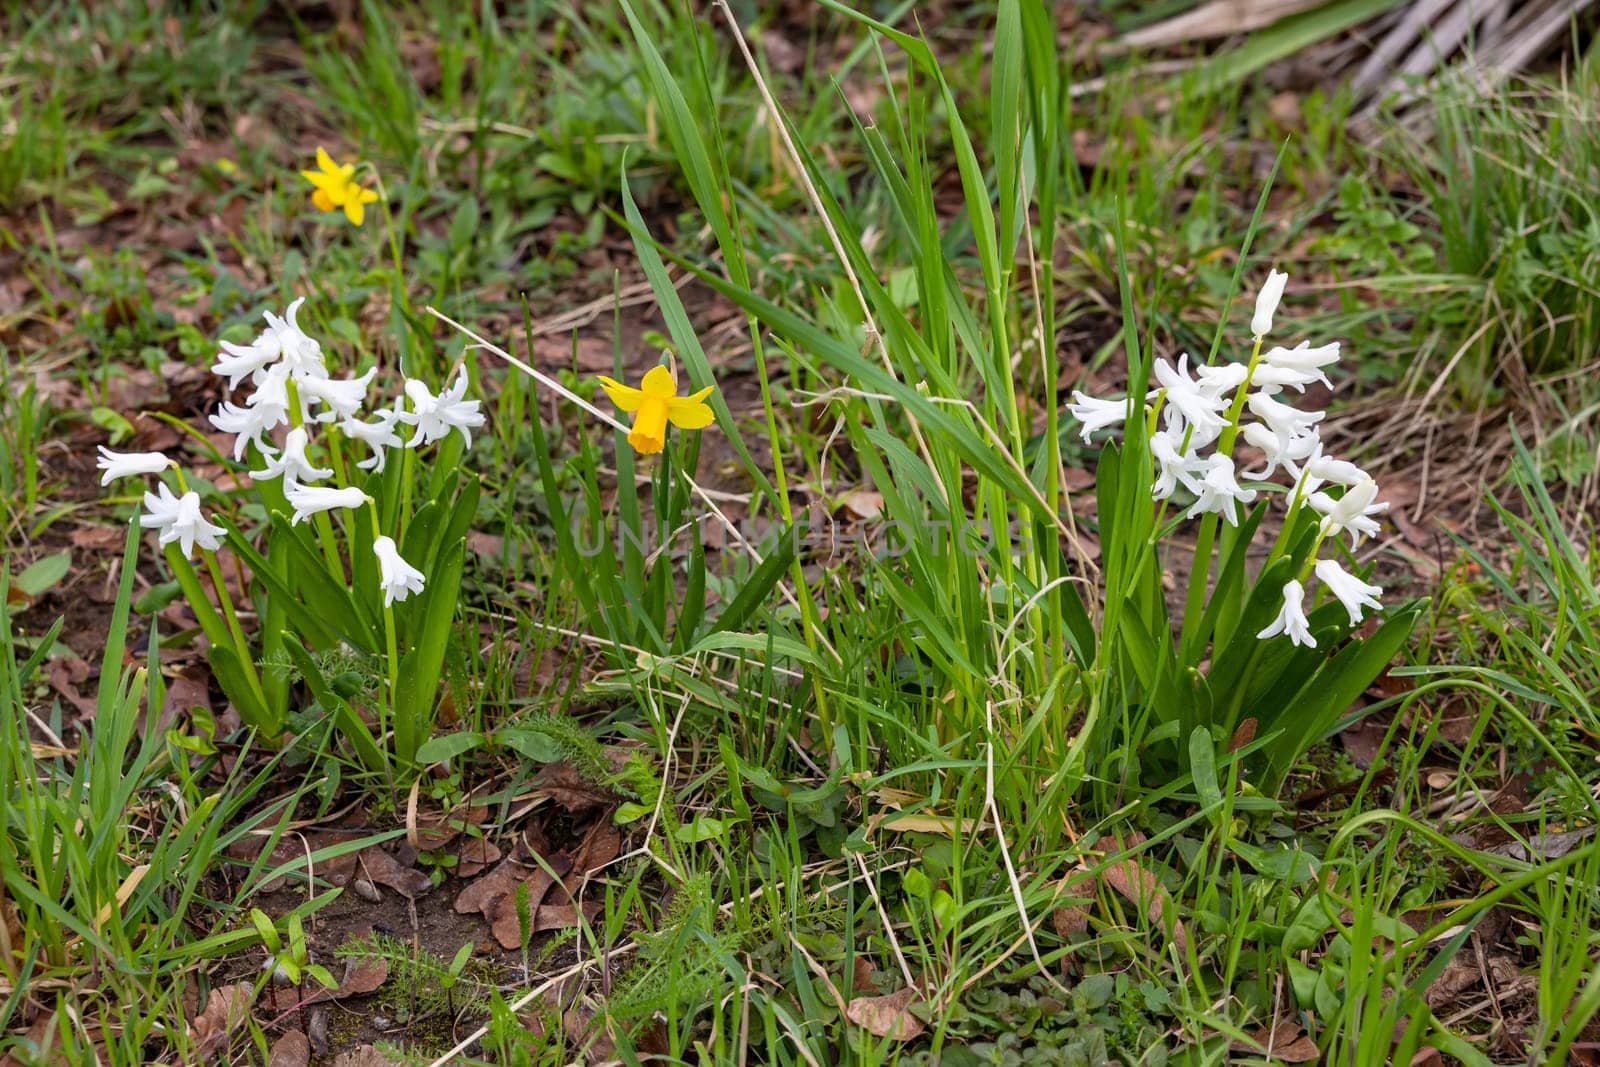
(874, 713)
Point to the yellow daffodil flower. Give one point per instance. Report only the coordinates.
(336, 187)
(654, 404)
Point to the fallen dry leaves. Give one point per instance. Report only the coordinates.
(887, 1016)
(293, 1049)
(1141, 886)
(227, 1009)
(551, 879)
(475, 857)
(1282, 1041)
(361, 977)
(384, 869)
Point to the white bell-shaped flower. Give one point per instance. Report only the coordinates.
(1199, 408)
(378, 435)
(250, 425)
(1095, 414)
(1291, 618)
(237, 362)
(435, 416)
(1351, 513)
(1220, 491)
(1351, 591)
(309, 499)
(1278, 452)
(1174, 465)
(1267, 303)
(180, 519)
(1282, 419)
(340, 397)
(301, 354)
(398, 578)
(126, 464)
(294, 465)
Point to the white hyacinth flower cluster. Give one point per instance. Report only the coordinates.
(293, 391)
(1203, 413)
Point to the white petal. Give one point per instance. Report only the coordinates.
(1267, 303)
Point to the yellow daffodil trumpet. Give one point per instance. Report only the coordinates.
(654, 404)
(335, 187)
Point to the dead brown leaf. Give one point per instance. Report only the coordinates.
(227, 1009)
(480, 895)
(42, 1034)
(475, 856)
(1363, 740)
(502, 912)
(99, 538)
(784, 55)
(291, 847)
(1551, 845)
(863, 503)
(485, 544)
(1142, 887)
(561, 916)
(562, 783)
(293, 1049)
(1070, 919)
(65, 679)
(1283, 1042)
(1242, 736)
(580, 1024)
(886, 1016)
(437, 829)
(361, 977)
(384, 868)
(184, 692)
(600, 846)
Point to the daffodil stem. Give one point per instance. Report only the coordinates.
(1200, 569)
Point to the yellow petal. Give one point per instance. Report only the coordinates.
(354, 211)
(319, 179)
(687, 414)
(367, 195)
(625, 397)
(323, 201)
(325, 161)
(646, 445)
(658, 381)
(700, 394)
(649, 434)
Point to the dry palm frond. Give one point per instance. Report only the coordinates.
(1399, 48)
(1219, 18)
